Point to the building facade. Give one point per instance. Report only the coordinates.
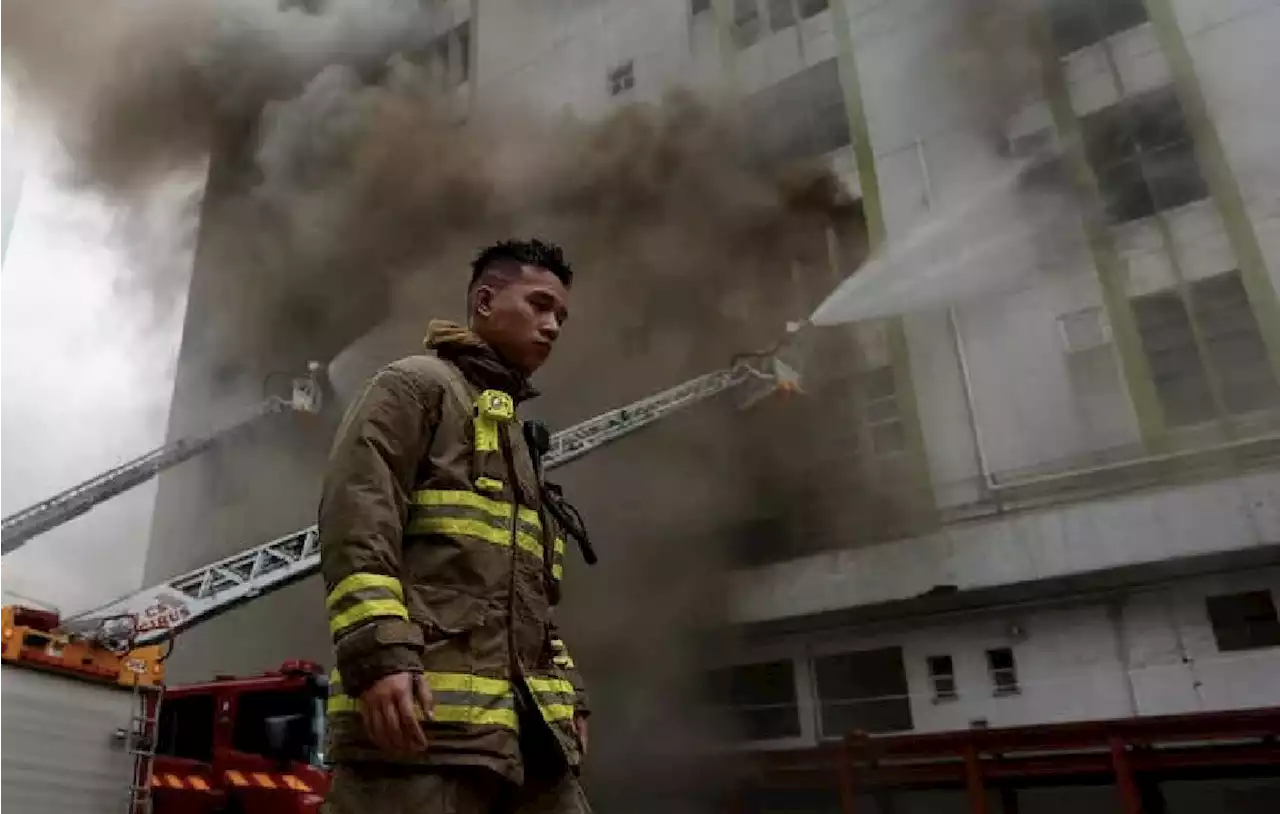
(1072, 413)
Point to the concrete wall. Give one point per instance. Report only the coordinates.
(1145, 528)
(1146, 652)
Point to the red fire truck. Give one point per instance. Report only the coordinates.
(89, 729)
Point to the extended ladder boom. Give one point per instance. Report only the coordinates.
(156, 613)
(21, 526)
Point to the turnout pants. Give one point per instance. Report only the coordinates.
(550, 785)
(368, 789)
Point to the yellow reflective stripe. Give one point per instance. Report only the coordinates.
(359, 582)
(264, 780)
(471, 527)
(342, 703)
(559, 546)
(557, 712)
(465, 682)
(562, 661)
(556, 685)
(500, 509)
(557, 571)
(450, 713)
(447, 682)
(489, 485)
(445, 713)
(364, 611)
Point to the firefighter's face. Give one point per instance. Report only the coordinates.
(521, 316)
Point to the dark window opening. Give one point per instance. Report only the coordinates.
(696, 7)
(802, 116)
(761, 698)
(1003, 670)
(1143, 156)
(1232, 347)
(249, 735)
(746, 23)
(1244, 621)
(186, 728)
(812, 8)
(1233, 343)
(943, 676)
(864, 691)
(1077, 24)
(781, 14)
(1180, 377)
(622, 78)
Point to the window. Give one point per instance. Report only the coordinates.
(746, 22)
(1181, 380)
(811, 8)
(1232, 346)
(761, 698)
(622, 78)
(800, 117)
(254, 708)
(1245, 621)
(448, 56)
(1233, 343)
(863, 691)
(696, 7)
(781, 14)
(943, 676)
(1003, 671)
(186, 728)
(1080, 23)
(1143, 156)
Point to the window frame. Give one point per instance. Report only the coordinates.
(1004, 679)
(1235, 643)
(944, 685)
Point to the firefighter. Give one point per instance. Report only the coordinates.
(442, 561)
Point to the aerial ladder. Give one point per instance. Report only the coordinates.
(19, 527)
(155, 614)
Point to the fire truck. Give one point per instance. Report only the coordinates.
(85, 697)
(91, 728)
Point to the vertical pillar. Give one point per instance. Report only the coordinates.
(1130, 799)
(973, 781)
(844, 775)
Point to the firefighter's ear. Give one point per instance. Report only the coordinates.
(482, 300)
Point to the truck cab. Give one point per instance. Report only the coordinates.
(243, 745)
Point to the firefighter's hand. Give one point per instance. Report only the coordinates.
(580, 726)
(389, 708)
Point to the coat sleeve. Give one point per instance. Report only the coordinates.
(564, 663)
(372, 469)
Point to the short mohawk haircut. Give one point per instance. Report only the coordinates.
(532, 252)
